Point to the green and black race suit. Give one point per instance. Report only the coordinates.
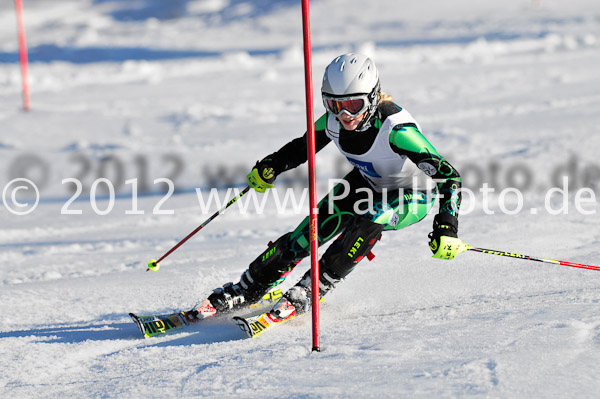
(396, 178)
(390, 154)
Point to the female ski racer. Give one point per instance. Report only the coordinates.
(390, 187)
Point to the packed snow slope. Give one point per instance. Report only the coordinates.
(126, 92)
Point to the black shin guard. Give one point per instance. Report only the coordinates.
(351, 247)
(341, 257)
(272, 266)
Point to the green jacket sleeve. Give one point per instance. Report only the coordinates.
(406, 139)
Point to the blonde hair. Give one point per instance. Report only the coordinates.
(383, 97)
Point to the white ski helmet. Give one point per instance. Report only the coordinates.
(351, 76)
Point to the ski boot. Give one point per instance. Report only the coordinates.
(295, 301)
(232, 297)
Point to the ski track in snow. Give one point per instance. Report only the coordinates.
(200, 90)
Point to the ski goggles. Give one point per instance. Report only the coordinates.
(351, 105)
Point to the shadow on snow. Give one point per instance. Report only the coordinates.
(87, 55)
(208, 333)
(232, 10)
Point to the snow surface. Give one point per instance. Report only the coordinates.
(199, 90)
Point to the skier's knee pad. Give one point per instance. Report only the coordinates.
(274, 264)
(356, 242)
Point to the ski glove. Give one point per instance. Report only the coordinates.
(262, 176)
(443, 240)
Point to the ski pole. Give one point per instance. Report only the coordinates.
(154, 264)
(527, 257)
(454, 246)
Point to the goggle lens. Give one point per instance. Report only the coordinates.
(353, 106)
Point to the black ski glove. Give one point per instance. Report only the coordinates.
(444, 224)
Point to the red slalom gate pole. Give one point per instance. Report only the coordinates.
(310, 148)
(22, 52)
